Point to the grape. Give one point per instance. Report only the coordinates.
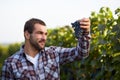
(77, 29)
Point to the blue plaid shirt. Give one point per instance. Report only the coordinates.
(17, 67)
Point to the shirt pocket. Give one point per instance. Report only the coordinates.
(51, 68)
(22, 74)
(52, 65)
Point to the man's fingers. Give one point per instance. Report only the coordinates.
(85, 20)
(85, 24)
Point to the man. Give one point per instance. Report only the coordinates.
(34, 61)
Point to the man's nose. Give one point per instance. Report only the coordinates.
(44, 37)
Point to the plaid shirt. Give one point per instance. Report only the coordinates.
(17, 67)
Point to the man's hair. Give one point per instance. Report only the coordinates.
(29, 25)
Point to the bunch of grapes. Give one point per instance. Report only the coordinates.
(77, 29)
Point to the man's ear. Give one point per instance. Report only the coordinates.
(27, 35)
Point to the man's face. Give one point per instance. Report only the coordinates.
(38, 37)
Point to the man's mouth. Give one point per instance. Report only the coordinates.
(42, 42)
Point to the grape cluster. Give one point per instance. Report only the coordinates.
(77, 29)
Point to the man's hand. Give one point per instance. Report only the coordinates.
(81, 27)
(85, 24)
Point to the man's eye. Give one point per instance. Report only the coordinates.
(39, 32)
(45, 33)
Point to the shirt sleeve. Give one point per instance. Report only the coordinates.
(6, 72)
(76, 53)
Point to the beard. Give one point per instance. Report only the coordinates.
(35, 44)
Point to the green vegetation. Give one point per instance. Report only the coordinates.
(104, 60)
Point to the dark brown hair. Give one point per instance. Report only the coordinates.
(29, 25)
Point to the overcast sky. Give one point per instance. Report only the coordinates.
(14, 14)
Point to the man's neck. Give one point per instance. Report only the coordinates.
(31, 51)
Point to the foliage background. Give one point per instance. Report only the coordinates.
(104, 60)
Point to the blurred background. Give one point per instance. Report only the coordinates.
(104, 60)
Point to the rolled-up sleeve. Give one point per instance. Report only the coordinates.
(76, 53)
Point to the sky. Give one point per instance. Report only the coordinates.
(55, 13)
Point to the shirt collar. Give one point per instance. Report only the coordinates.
(22, 53)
